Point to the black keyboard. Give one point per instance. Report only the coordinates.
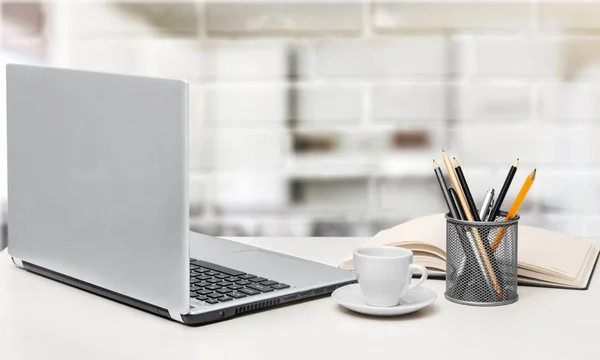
(213, 284)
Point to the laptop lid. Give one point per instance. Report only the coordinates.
(98, 180)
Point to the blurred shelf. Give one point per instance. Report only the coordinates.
(326, 166)
(396, 165)
(331, 167)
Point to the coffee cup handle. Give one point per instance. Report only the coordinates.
(424, 274)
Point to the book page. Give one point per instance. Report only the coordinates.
(552, 252)
(428, 229)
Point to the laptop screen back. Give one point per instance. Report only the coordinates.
(98, 179)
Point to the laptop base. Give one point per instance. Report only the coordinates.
(204, 318)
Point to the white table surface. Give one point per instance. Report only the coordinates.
(42, 319)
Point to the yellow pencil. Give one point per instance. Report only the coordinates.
(515, 207)
(469, 215)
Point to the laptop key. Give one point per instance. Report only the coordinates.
(221, 276)
(243, 282)
(258, 279)
(268, 283)
(215, 295)
(211, 301)
(194, 288)
(226, 298)
(235, 287)
(237, 295)
(247, 276)
(203, 277)
(192, 281)
(232, 278)
(213, 280)
(280, 286)
(201, 270)
(211, 273)
(204, 292)
(223, 269)
(224, 283)
(202, 284)
(249, 291)
(260, 287)
(224, 290)
(212, 287)
(201, 297)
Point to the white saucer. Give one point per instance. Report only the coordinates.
(351, 298)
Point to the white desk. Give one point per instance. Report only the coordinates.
(42, 319)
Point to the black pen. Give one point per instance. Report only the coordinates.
(502, 194)
(454, 196)
(442, 182)
(465, 187)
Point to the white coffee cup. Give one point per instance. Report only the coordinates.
(384, 274)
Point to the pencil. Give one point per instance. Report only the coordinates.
(465, 187)
(442, 182)
(502, 194)
(515, 207)
(455, 202)
(456, 184)
(480, 245)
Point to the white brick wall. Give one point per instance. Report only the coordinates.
(247, 105)
(500, 145)
(108, 54)
(581, 185)
(329, 105)
(402, 56)
(244, 60)
(574, 103)
(409, 198)
(576, 146)
(516, 57)
(331, 195)
(249, 149)
(493, 102)
(410, 103)
(251, 191)
(489, 80)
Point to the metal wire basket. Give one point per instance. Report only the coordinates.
(481, 261)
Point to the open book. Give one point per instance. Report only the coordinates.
(545, 258)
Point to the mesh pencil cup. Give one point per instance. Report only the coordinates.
(481, 261)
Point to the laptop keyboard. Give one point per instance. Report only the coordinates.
(213, 284)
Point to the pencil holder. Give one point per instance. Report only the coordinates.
(481, 261)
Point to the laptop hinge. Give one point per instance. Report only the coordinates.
(17, 262)
(175, 315)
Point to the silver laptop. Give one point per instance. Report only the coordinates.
(98, 199)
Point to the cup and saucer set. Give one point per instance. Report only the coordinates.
(384, 286)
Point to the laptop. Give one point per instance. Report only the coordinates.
(98, 199)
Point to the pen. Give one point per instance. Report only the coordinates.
(487, 202)
(502, 194)
(440, 177)
(454, 198)
(465, 187)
